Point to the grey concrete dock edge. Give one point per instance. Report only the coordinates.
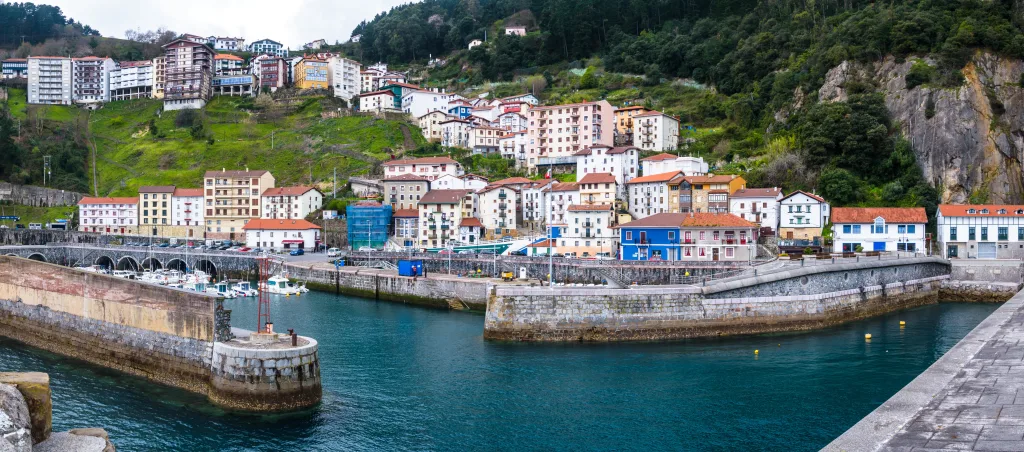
(882, 424)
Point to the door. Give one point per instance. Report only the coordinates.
(714, 254)
(952, 252)
(879, 246)
(986, 251)
(789, 235)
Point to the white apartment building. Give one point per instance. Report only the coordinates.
(455, 133)
(133, 80)
(513, 146)
(650, 195)
(526, 98)
(228, 64)
(187, 207)
(430, 124)
(270, 234)
(290, 202)
(344, 77)
(802, 215)
(588, 231)
(421, 102)
(975, 231)
(451, 182)
(881, 229)
(49, 80)
(427, 167)
(656, 131)
(511, 121)
(559, 197)
(231, 199)
(484, 139)
(757, 205)
(90, 80)
(598, 188)
(440, 214)
(227, 43)
(534, 200)
(404, 191)
(496, 208)
(377, 101)
(406, 229)
(269, 47)
(560, 131)
(368, 79)
(663, 163)
(621, 162)
(470, 230)
(108, 215)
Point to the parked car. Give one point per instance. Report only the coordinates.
(366, 248)
(297, 252)
(521, 252)
(35, 226)
(19, 226)
(485, 251)
(465, 252)
(445, 252)
(333, 252)
(164, 245)
(569, 255)
(244, 249)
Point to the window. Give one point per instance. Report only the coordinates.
(952, 233)
(901, 229)
(671, 235)
(729, 252)
(1003, 234)
(856, 229)
(911, 228)
(984, 234)
(629, 235)
(847, 228)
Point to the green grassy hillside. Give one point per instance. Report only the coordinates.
(135, 144)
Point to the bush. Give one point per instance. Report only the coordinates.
(839, 186)
(186, 118)
(808, 250)
(859, 249)
(919, 74)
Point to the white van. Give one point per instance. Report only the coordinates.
(333, 252)
(35, 226)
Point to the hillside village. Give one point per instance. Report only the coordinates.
(601, 181)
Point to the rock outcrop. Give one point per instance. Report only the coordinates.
(15, 424)
(968, 140)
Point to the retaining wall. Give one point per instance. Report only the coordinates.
(30, 195)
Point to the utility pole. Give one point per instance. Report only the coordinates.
(334, 187)
(46, 169)
(271, 140)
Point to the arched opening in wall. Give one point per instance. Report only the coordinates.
(151, 264)
(37, 257)
(128, 263)
(12, 254)
(206, 266)
(177, 264)
(105, 262)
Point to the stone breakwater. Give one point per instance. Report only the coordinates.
(800, 299)
(165, 335)
(266, 376)
(26, 416)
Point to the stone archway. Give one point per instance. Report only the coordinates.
(177, 264)
(205, 266)
(37, 257)
(128, 263)
(151, 263)
(105, 262)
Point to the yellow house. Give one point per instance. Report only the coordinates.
(312, 73)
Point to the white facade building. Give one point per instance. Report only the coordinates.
(344, 77)
(663, 163)
(757, 205)
(656, 131)
(802, 215)
(228, 44)
(879, 229)
(981, 231)
(534, 200)
(377, 101)
(511, 121)
(49, 80)
(133, 80)
(496, 208)
(108, 215)
(271, 234)
(418, 103)
(290, 202)
(559, 197)
(269, 47)
(90, 80)
(650, 195)
(429, 168)
(621, 162)
(187, 207)
(455, 133)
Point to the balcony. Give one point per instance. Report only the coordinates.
(588, 224)
(502, 205)
(689, 241)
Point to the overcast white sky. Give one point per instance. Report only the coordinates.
(292, 22)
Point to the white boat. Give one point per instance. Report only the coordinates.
(299, 287)
(221, 289)
(281, 286)
(195, 286)
(126, 274)
(91, 269)
(244, 289)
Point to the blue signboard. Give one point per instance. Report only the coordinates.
(10, 217)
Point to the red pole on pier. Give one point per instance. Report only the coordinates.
(263, 312)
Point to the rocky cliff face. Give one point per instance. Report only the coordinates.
(969, 141)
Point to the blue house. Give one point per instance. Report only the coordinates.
(698, 236)
(461, 111)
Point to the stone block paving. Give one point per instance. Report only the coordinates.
(982, 407)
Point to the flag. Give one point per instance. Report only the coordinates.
(548, 174)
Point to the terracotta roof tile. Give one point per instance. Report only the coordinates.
(711, 179)
(866, 215)
(192, 192)
(690, 220)
(568, 186)
(809, 195)
(598, 178)
(660, 157)
(662, 177)
(512, 181)
(471, 223)
(279, 225)
(991, 210)
(287, 191)
(757, 193)
(406, 213)
(589, 207)
(444, 196)
(421, 161)
(257, 173)
(89, 200)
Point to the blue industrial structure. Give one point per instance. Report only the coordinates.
(368, 224)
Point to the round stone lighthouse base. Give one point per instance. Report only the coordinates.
(265, 375)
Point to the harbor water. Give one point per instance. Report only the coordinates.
(397, 377)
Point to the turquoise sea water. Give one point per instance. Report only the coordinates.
(397, 377)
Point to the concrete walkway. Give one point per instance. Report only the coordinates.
(970, 399)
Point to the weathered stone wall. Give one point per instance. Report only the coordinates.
(663, 313)
(266, 379)
(988, 271)
(31, 195)
(384, 285)
(977, 291)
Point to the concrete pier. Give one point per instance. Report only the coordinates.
(269, 375)
(970, 399)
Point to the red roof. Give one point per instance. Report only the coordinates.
(757, 193)
(634, 107)
(663, 177)
(88, 200)
(512, 181)
(279, 225)
(156, 189)
(598, 178)
(719, 179)
(568, 186)
(421, 161)
(193, 192)
(287, 191)
(653, 113)
(444, 196)
(981, 210)
(373, 93)
(407, 177)
(589, 207)
(406, 213)
(611, 150)
(543, 244)
(471, 223)
(866, 215)
(227, 56)
(809, 195)
(660, 157)
(690, 220)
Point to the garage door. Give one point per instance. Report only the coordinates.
(986, 251)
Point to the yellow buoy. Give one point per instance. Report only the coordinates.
(867, 336)
(757, 351)
(902, 323)
(288, 295)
